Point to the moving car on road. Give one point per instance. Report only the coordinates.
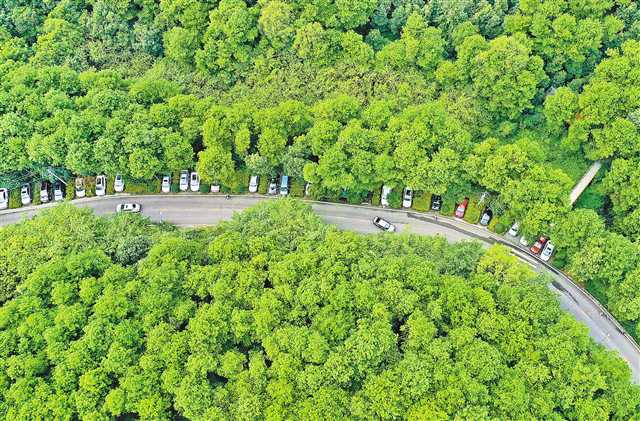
(384, 196)
(253, 183)
(194, 182)
(80, 189)
(536, 248)
(25, 194)
(58, 191)
(129, 207)
(407, 197)
(101, 185)
(4, 198)
(436, 202)
(184, 180)
(513, 231)
(118, 184)
(45, 188)
(462, 208)
(166, 184)
(547, 251)
(383, 224)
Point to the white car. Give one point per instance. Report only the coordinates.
(215, 188)
(307, 189)
(4, 198)
(128, 207)
(44, 192)
(513, 231)
(407, 197)
(384, 197)
(273, 187)
(101, 185)
(25, 194)
(80, 190)
(58, 191)
(524, 241)
(118, 184)
(253, 183)
(383, 224)
(166, 184)
(547, 251)
(184, 180)
(194, 182)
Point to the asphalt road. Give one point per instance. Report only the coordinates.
(188, 210)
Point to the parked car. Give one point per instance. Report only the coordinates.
(273, 187)
(118, 184)
(536, 248)
(547, 251)
(45, 189)
(80, 189)
(384, 196)
(253, 184)
(284, 185)
(383, 224)
(101, 185)
(462, 208)
(486, 217)
(129, 207)
(307, 189)
(4, 198)
(194, 182)
(25, 194)
(513, 231)
(407, 197)
(58, 191)
(436, 202)
(524, 241)
(184, 180)
(215, 188)
(165, 187)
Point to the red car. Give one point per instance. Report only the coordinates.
(462, 208)
(536, 248)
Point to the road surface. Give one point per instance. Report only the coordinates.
(192, 210)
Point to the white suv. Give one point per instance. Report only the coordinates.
(4, 198)
(166, 184)
(25, 194)
(80, 190)
(194, 182)
(184, 180)
(101, 185)
(253, 184)
(384, 197)
(118, 184)
(407, 197)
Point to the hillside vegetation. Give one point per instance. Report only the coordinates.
(275, 315)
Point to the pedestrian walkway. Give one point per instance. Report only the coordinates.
(584, 182)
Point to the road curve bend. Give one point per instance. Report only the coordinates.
(192, 210)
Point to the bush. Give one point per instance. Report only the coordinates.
(263, 184)
(356, 197)
(395, 199)
(142, 187)
(35, 194)
(239, 183)
(14, 199)
(89, 186)
(70, 193)
(110, 188)
(448, 206)
(422, 202)
(473, 213)
(132, 249)
(205, 188)
(494, 224)
(375, 199)
(297, 187)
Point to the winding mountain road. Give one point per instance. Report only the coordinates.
(192, 210)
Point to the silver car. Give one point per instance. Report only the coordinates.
(4, 198)
(118, 184)
(101, 185)
(184, 180)
(80, 190)
(129, 207)
(253, 183)
(166, 184)
(195, 182)
(25, 194)
(383, 224)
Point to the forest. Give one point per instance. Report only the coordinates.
(276, 315)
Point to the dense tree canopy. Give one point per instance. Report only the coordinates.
(274, 314)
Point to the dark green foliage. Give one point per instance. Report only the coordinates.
(422, 202)
(297, 187)
(474, 211)
(395, 199)
(14, 199)
(274, 314)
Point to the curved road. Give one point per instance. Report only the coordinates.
(191, 210)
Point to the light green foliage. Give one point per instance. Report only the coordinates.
(274, 314)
